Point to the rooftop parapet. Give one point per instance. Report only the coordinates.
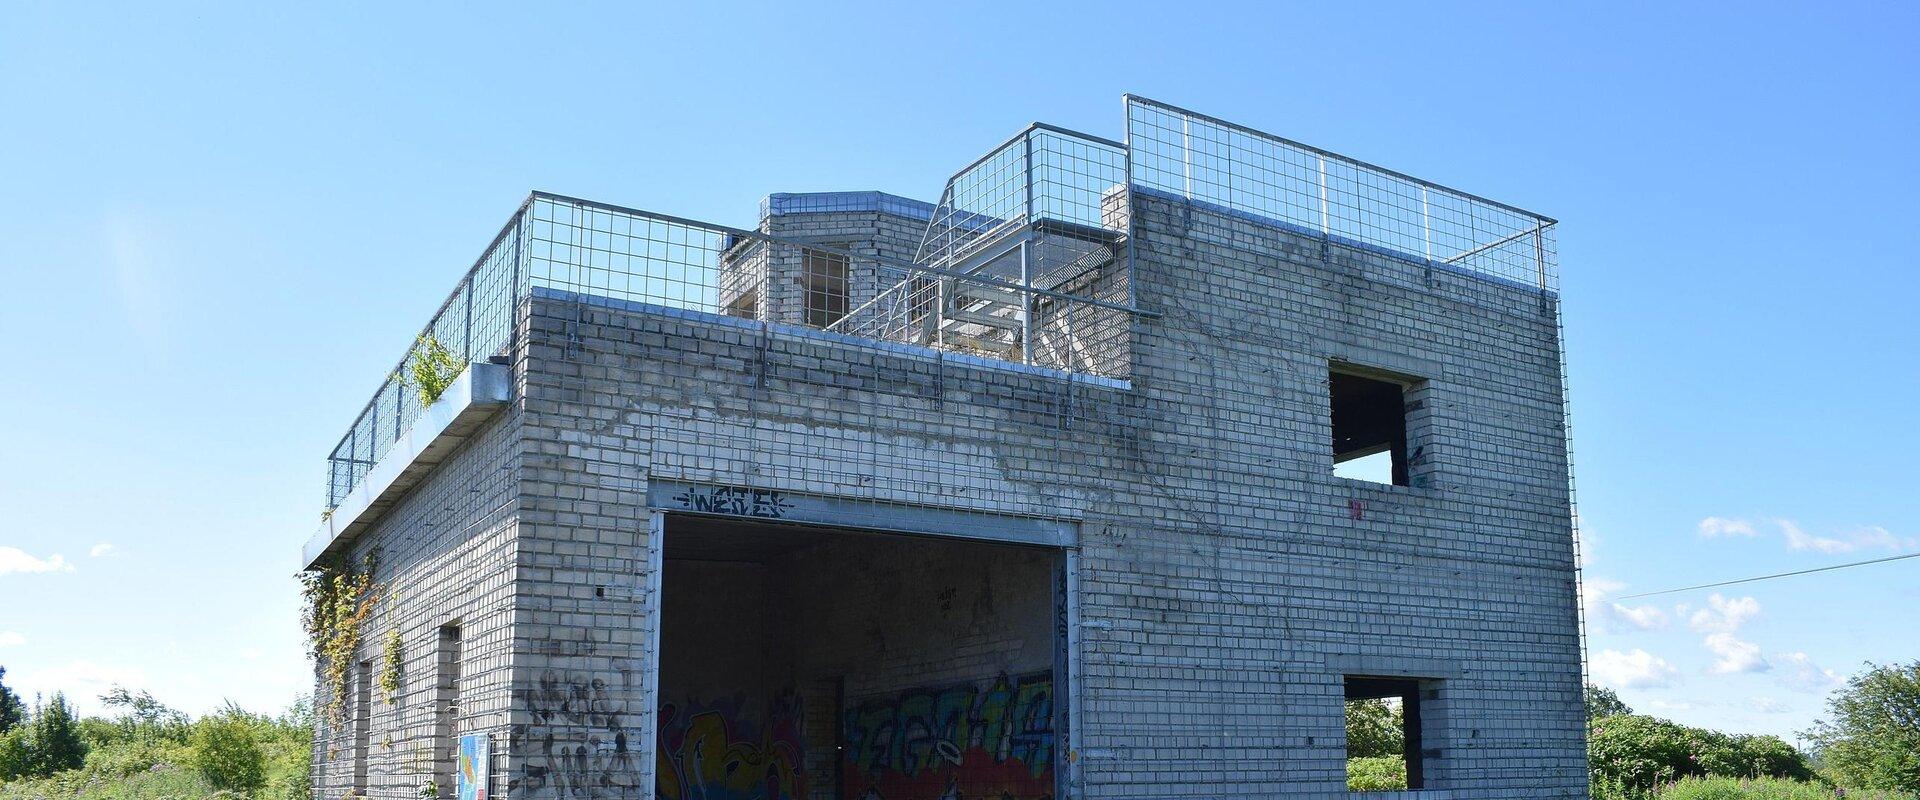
(1026, 257)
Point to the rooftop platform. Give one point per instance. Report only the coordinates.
(1025, 259)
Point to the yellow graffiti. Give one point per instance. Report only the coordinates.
(710, 766)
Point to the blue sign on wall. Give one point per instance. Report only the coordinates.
(471, 779)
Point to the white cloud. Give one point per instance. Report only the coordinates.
(11, 638)
(1798, 671)
(1613, 616)
(1669, 705)
(1722, 615)
(1593, 590)
(1632, 670)
(1736, 656)
(102, 550)
(14, 559)
(1768, 705)
(1715, 527)
(1647, 618)
(1872, 537)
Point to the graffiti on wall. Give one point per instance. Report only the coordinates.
(579, 743)
(740, 501)
(721, 751)
(992, 741)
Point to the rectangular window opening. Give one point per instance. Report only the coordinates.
(823, 280)
(746, 305)
(446, 708)
(1384, 749)
(1369, 428)
(362, 725)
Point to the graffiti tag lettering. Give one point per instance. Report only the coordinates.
(739, 501)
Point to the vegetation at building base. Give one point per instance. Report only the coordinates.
(1867, 749)
(147, 751)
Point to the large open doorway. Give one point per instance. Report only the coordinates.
(811, 663)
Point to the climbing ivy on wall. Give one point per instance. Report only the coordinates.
(391, 659)
(340, 598)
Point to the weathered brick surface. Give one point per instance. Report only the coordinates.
(1227, 579)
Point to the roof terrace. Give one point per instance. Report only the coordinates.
(1025, 259)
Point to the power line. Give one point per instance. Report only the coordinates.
(1770, 577)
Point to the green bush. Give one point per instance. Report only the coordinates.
(1376, 774)
(226, 751)
(1630, 753)
(151, 752)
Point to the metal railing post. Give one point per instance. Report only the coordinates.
(1325, 228)
(1540, 255)
(1026, 307)
(1026, 170)
(1186, 151)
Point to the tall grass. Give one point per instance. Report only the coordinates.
(1740, 789)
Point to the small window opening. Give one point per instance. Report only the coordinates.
(1369, 428)
(746, 305)
(824, 281)
(1383, 734)
(446, 707)
(362, 725)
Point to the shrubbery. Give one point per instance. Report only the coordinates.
(1764, 789)
(1640, 752)
(152, 752)
(1376, 774)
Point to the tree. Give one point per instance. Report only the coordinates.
(12, 711)
(53, 739)
(1374, 729)
(142, 718)
(1872, 740)
(1603, 702)
(226, 751)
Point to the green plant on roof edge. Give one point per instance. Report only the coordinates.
(431, 368)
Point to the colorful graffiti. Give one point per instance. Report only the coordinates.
(962, 742)
(716, 751)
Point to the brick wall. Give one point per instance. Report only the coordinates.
(1227, 579)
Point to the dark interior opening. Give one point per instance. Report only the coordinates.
(829, 664)
(1369, 421)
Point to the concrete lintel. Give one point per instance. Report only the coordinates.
(1394, 666)
(776, 505)
(481, 390)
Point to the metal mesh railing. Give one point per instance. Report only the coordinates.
(1025, 258)
(473, 323)
(600, 253)
(1240, 170)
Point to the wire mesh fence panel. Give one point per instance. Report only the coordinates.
(1202, 159)
(474, 323)
(620, 255)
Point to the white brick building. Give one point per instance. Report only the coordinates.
(1030, 492)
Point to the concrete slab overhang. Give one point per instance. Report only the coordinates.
(481, 391)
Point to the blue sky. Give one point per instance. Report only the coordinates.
(222, 223)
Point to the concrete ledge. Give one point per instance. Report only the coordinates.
(481, 390)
